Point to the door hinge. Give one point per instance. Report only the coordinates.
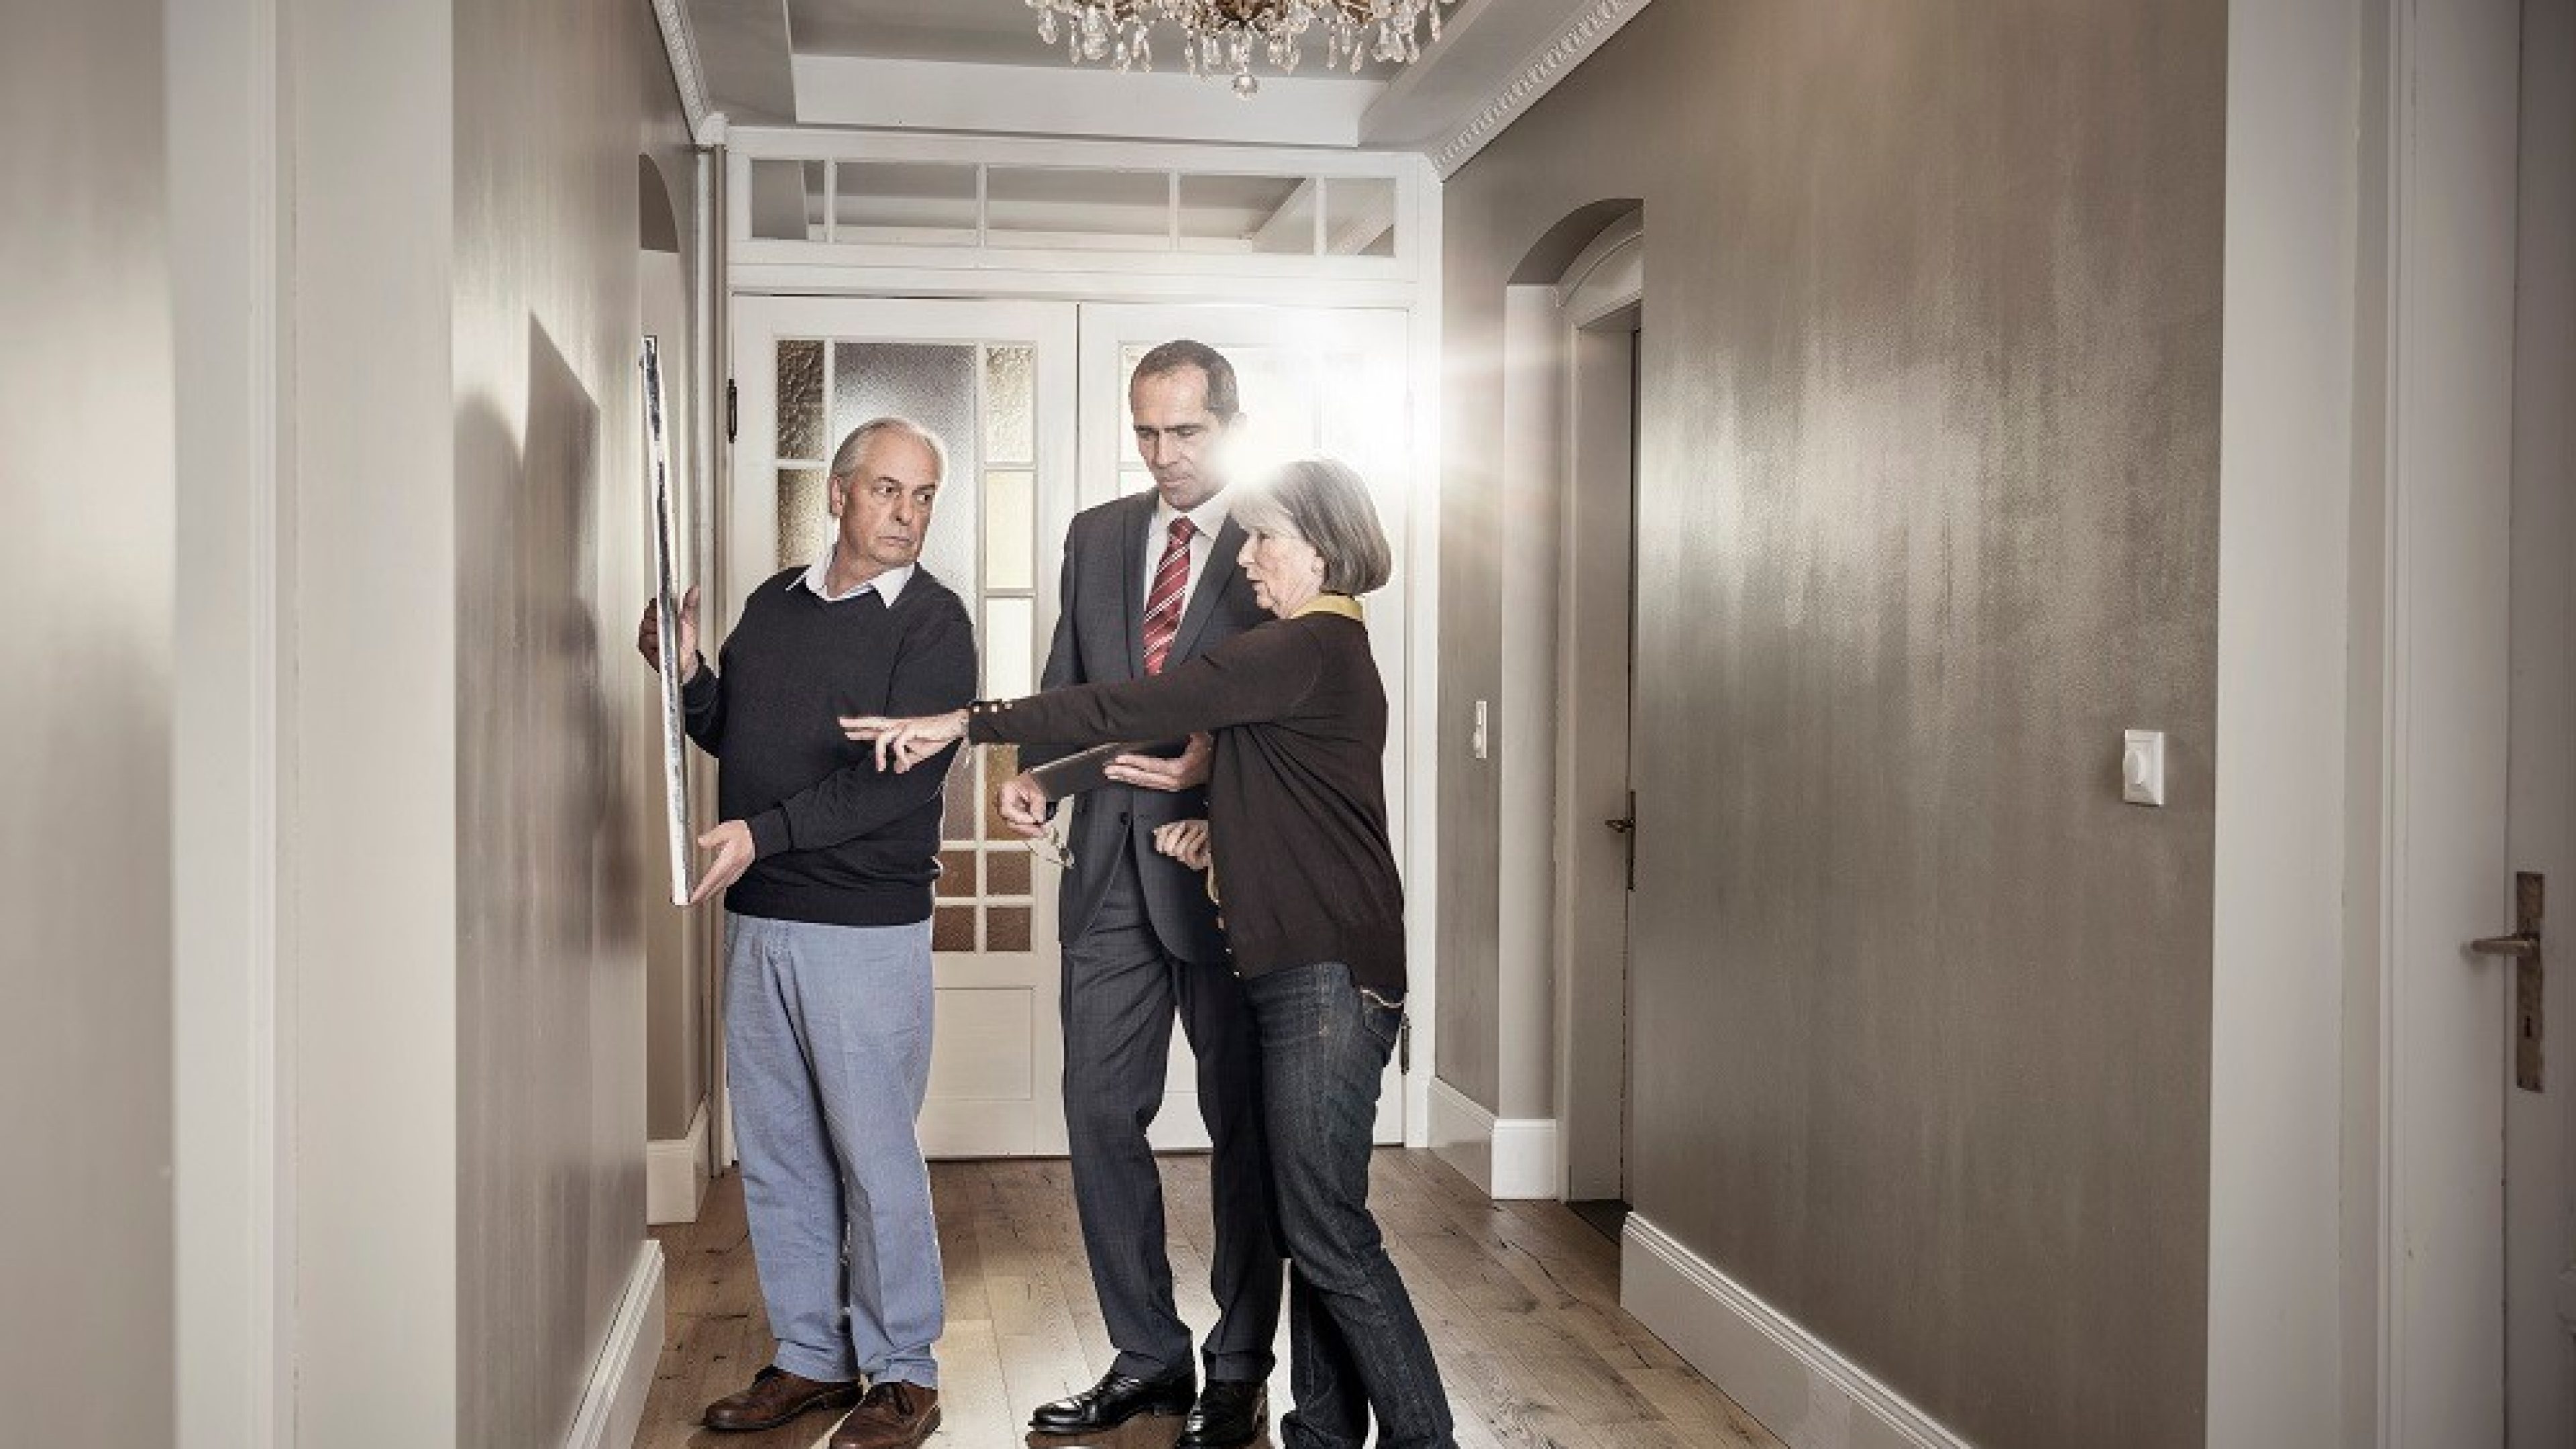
(1404, 1047)
(733, 410)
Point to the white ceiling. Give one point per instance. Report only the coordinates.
(932, 64)
(977, 32)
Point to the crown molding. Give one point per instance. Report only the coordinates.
(1535, 77)
(680, 47)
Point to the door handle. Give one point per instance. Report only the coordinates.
(2523, 948)
(1625, 827)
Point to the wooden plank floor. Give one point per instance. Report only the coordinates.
(1520, 1300)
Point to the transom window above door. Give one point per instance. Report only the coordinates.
(834, 199)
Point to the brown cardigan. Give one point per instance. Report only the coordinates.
(1296, 793)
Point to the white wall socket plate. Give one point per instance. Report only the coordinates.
(2142, 767)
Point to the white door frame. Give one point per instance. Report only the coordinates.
(233, 1021)
(2439, 568)
(1599, 302)
(1418, 298)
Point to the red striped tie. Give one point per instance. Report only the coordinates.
(1163, 601)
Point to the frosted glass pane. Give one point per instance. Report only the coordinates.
(1006, 871)
(1000, 763)
(1359, 217)
(1006, 928)
(1010, 644)
(805, 522)
(1369, 439)
(1010, 405)
(1128, 457)
(934, 385)
(1273, 215)
(957, 802)
(800, 402)
(1010, 531)
(904, 202)
(958, 873)
(787, 200)
(952, 928)
(1279, 409)
(1065, 208)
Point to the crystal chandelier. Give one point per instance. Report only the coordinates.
(1220, 37)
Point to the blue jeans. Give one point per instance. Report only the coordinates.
(1355, 1346)
(827, 1051)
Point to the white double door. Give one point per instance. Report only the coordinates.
(1030, 398)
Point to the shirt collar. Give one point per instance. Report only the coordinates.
(1208, 518)
(818, 577)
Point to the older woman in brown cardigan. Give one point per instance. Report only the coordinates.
(1314, 916)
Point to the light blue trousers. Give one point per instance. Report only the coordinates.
(827, 1049)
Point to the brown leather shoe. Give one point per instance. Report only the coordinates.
(894, 1415)
(775, 1397)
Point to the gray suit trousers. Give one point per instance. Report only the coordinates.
(1121, 992)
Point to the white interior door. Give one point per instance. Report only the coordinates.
(996, 381)
(1315, 380)
(2540, 1125)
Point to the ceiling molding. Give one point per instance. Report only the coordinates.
(680, 47)
(1057, 99)
(1536, 76)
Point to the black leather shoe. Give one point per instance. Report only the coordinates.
(1113, 1401)
(1229, 1415)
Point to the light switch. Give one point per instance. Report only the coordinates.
(2142, 768)
(1476, 741)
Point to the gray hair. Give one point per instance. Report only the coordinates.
(1325, 503)
(845, 459)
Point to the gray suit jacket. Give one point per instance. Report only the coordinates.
(1100, 639)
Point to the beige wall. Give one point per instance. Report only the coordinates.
(86, 473)
(553, 103)
(675, 1046)
(1929, 478)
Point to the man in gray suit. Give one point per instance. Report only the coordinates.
(1150, 581)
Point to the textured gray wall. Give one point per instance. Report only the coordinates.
(553, 103)
(1929, 477)
(86, 473)
(675, 1047)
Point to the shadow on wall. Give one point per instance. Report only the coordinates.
(544, 860)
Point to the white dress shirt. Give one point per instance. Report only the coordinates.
(818, 577)
(1209, 519)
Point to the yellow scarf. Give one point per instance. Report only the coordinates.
(1342, 604)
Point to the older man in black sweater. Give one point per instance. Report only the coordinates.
(827, 865)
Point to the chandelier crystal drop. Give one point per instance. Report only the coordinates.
(1225, 37)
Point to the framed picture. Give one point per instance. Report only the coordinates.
(666, 603)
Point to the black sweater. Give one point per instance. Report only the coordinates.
(1296, 793)
(838, 842)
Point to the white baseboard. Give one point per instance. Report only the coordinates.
(612, 1408)
(1506, 1157)
(1525, 1162)
(1794, 1382)
(675, 1174)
